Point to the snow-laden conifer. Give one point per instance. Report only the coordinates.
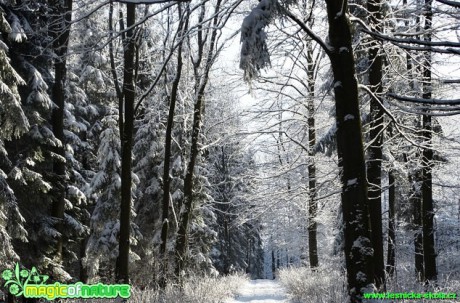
(13, 119)
(105, 188)
(102, 245)
(254, 50)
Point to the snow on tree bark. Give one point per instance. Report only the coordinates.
(429, 251)
(350, 151)
(374, 162)
(129, 94)
(167, 160)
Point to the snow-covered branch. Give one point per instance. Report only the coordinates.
(450, 3)
(254, 51)
(432, 101)
(308, 31)
(444, 47)
(148, 1)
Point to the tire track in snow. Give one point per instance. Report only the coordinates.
(260, 291)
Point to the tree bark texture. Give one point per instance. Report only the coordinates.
(374, 163)
(182, 233)
(60, 31)
(429, 252)
(416, 202)
(391, 256)
(166, 168)
(358, 246)
(201, 80)
(129, 95)
(312, 202)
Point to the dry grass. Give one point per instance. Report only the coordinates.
(194, 290)
(328, 285)
(325, 285)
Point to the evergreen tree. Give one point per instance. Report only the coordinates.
(102, 247)
(14, 124)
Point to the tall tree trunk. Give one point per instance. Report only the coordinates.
(416, 202)
(122, 266)
(84, 274)
(166, 167)
(113, 69)
(429, 253)
(62, 10)
(278, 259)
(391, 256)
(415, 197)
(187, 205)
(350, 150)
(226, 248)
(248, 255)
(374, 164)
(201, 81)
(313, 203)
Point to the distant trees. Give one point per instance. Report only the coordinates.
(123, 138)
(350, 149)
(208, 47)
(362, 203)
(231, 176)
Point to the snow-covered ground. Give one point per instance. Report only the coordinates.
(261, 291)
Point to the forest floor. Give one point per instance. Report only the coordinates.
(261, 291)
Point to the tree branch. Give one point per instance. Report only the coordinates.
(432, 101)
(308, 31)
(436, 46)
(148, 1)
(450, 3)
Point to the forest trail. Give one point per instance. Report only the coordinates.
(261, 291)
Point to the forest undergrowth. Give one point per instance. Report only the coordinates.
(195, 289)
(327, 284)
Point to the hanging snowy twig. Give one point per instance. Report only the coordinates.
(254, 50)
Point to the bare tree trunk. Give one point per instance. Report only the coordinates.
(201, 81)
(391, 256)
(358, 246)
(374, 164)
(429, 253)
(182, 234)
(166, 167)
(226, 248)
(278, 259)
(122, 266)
(60, 31)
(313, 203)
(113, 69)
(415, 197)
(416, 202)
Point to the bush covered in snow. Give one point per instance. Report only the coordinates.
(326, 284)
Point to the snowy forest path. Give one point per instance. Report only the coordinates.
(261, 291)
